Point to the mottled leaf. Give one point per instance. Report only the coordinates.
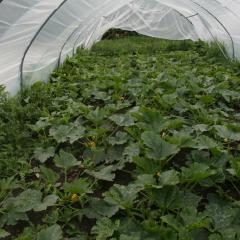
(43, 154)
(105, 228)
(119, 139)
(51, 233)
(78, 186)
(3, 234)
(105, 173)
(160, 149)
(28, 200)
(48, 201)
(65, 160)
(122, 120)
(169, 178)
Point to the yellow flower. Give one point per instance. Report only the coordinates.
(225, 140)
(91, 144)
(74, 197)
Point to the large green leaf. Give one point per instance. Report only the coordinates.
(97, 155)
(105, 173)
(122, 120)
(152, 120)
(119, 139)
(131, 151)
(122, 196)
(78, 186)
(169, 178)
(147, 166)
(172, 197)
(205, 142)
(97, 116)
(196, 172)
(3, 233)
(193, 219)
(182, 140)
(76, 132)
(48, 175)
(99, 95)
(201, 128)
(12, 214)
(99, 208)
(64, 133)
(228, 133)
(222, 213)
(43, 154)
(172, 222)
(28, 200)
(147, 181)
(65, 160)
(32, 200)
(160, 149)
(60, 133)
(48, 201)
(51, 233)
(105, 228)
(41, 124)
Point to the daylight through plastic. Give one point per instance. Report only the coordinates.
(37, 35)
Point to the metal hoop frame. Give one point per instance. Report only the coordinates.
(34, 38)
(223, 26)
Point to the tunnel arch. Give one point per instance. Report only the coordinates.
(39, 34)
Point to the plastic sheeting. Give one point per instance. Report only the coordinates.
(37, 35)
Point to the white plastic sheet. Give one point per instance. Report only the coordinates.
(36, 35)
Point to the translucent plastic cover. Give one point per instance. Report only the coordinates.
(36, 35)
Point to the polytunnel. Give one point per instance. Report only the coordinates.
(36, 35)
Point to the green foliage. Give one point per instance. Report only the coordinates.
(118, 33)
(160, 149)
(43, 154)
(65, 160)
(64, 133)
(104, 174)
(105, 228)
(3, 234)
(51, 233)
(135, 139)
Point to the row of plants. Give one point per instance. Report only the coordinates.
(134, 139)
(118, 33)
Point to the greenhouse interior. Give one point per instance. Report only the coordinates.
(119, 120)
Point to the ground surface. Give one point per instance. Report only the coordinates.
(136, 139)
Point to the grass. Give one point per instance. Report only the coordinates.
(137, 138)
